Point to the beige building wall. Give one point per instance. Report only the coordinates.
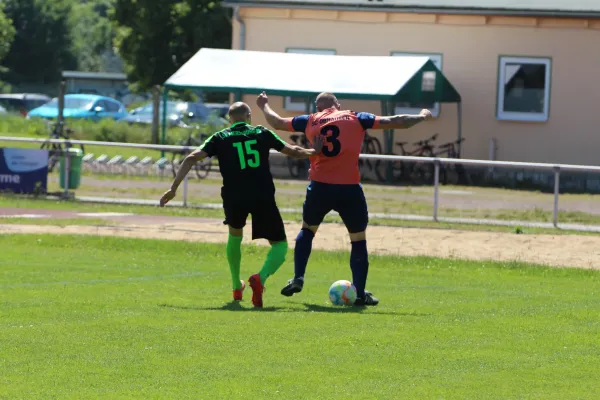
(471, 46)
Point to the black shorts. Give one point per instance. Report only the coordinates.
(348, 200)
(266, 219)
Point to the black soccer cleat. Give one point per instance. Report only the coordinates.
(293, 286)
(368, 300)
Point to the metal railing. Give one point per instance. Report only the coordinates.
(556, 168)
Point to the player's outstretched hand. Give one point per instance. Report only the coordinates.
(168, 196)
(426, 113)
(317, 144)
(262, 100)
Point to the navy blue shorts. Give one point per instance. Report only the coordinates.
(348, 200)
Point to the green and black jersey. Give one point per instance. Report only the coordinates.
(243, 154)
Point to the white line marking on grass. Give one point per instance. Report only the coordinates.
(104, 214)
(26, 216)
(100, 281)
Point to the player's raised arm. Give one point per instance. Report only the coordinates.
(185, 167)
(275, 121)
(402, 121)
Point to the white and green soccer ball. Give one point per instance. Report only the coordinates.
(342, 293)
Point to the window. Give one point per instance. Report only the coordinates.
(415, 108)
(111, 106)
(299, 103)
(103, 104)
(524, 89)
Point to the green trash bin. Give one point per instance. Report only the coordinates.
(75, 159)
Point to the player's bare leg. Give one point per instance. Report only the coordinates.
(234, 258)
(301, 254)
(359, 264)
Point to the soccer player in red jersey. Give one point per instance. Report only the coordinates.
(335, 180)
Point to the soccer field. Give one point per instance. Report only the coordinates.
(100, 317)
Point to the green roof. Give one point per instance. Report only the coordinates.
(531, 7)
(390, 78)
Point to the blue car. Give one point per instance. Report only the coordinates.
(81, 106)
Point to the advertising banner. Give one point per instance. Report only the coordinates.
(23, 170)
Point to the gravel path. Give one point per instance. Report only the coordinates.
(553, 250)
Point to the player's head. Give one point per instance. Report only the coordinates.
(327, 100)
(240, 112)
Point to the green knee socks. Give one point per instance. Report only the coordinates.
(274, 260)
(234, 257)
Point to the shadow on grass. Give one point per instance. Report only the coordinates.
(355, 310)
(237, 306)
(231, 306)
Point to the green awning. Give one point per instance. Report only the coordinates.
(384, 78)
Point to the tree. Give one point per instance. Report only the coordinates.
(156, 37)
(42, 45)
(7, 34)
(91, 34)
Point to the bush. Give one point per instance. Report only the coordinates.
(106, 130)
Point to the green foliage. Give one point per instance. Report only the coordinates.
(91, 34)
(7, 35)
(156, 37)
(42, 44)
(106, 130)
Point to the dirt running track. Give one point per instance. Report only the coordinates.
(560, 250)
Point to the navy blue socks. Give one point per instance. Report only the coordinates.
(359, 264)
(302, 252)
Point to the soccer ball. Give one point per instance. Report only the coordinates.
(342, 293)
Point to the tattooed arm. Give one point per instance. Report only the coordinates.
(402, 121)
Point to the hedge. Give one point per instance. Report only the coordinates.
(106, 130)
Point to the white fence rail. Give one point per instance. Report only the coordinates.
(556, 168)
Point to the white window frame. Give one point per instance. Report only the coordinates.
(288, 104)
(438, 61)
(523, 116)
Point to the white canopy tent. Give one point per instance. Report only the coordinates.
(389, 79)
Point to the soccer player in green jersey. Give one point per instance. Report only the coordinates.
(248, 188)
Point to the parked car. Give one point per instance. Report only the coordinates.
(179, 113)
(2, 110)
(22, 103)
(82, 106)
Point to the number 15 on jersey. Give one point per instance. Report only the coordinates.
(247, 155)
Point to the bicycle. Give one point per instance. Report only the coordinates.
(299, 168)
(450, 174)
(371, 145)
(202, 167)
(419, 172)
(55, 150)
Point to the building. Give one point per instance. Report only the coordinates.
(525, 71)
(109, 84)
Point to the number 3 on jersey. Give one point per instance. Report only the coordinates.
(245, 150)
(331, 132)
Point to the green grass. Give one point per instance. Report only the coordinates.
(376, 204)
(99, 317)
